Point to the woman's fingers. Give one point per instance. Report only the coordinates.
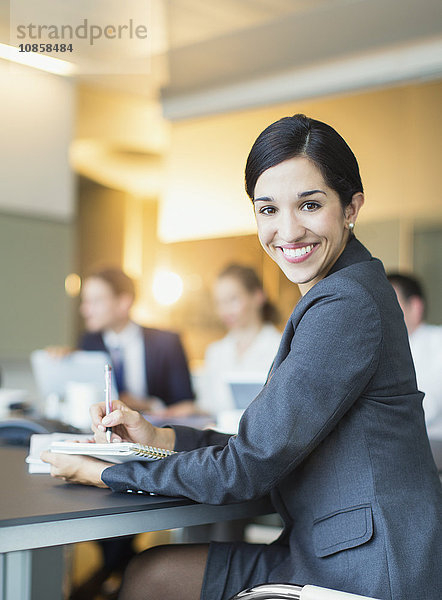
(126, 423)
(100, 438)
(116, 417)
(97, 412)
(46, 456)
(121, 415)
(76, 469)
(57, 462)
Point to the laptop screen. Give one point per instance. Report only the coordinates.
(245, 388)
(53, 374)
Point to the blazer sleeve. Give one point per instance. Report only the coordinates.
(188, 438)
(327, 362)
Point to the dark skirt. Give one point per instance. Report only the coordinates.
(235, 566)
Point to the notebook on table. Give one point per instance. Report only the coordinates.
(114, 452)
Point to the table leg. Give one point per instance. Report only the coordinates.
(32, 574)
(15, 575)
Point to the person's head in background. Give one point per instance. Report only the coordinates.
(240, 300)
(411, 299)
(107, 296)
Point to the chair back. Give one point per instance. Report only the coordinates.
(289, 591)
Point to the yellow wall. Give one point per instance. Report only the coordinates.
(395, 133)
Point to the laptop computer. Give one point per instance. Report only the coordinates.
(245, 387)
(53, 375)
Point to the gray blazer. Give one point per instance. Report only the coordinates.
(337, 436)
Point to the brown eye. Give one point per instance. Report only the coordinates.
(267, 210)
(310, 206)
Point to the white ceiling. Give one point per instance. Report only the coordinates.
(332, 42)
(203, 51)
(196, 21)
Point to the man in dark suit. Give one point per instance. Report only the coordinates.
(149, 364)
(151, 373)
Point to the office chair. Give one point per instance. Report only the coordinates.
(289, 591)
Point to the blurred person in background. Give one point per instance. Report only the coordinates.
(151, 373)
(426, 347)
(251, 341)
(149, 364)
(247, 350)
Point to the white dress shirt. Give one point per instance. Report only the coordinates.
(130, 343)
(426, 348)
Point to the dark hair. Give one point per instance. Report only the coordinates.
(116, 278)
(301, 136)
(408, 285)
(250, 280)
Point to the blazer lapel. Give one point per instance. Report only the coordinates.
(354, 252)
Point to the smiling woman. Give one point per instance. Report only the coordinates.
(337, 434)
(307, 193)
(302, 224)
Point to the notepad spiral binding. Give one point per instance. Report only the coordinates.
(151, 451)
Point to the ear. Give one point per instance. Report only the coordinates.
(352, 210)
(125, 302)
(418, 308)
(260, 297)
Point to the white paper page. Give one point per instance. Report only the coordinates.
(43, 441)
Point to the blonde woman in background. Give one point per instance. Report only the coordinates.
(251, 343)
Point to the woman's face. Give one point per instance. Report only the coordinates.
(235, 305)
(301, 224)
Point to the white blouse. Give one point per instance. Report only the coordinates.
(223, 364)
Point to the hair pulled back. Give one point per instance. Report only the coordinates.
(302, 136)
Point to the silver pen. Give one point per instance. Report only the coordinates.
(108, 396)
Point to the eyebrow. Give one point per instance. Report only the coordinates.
(310, 193)
(305, 194)
(262, 199)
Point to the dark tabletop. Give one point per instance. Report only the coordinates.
(37, 497)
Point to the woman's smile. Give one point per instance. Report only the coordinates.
(297, 253)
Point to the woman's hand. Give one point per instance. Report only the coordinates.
(128, 426)
(76, 469)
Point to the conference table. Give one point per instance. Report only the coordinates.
(40, 514)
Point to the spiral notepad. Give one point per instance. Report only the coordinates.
(114, 452)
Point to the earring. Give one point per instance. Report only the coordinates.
(351, 226)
